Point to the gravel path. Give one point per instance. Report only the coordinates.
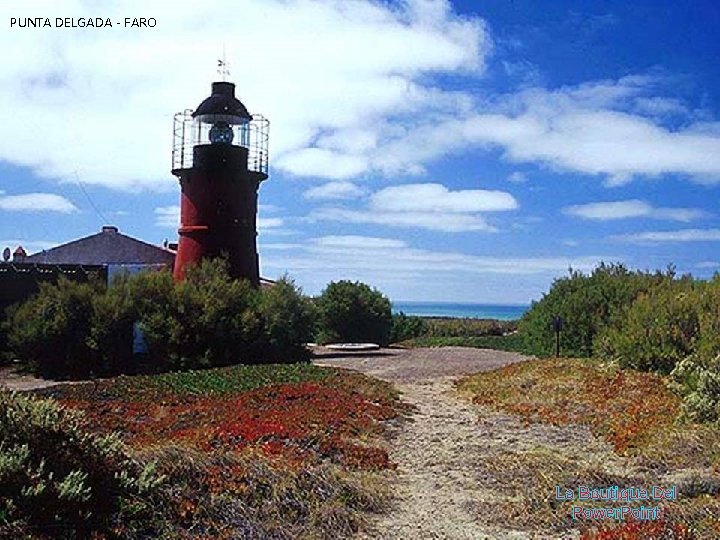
(12, 379)
(437, 452)
(417, 365)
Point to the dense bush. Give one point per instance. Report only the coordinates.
(587, 304)
(697, 377)
(405, 327)
(51, 331)
(658, 330)
(57, 479)
(353, 312)
(211, 320)
(509, 342)
(448, 327)
(289, 319)
(75, 330)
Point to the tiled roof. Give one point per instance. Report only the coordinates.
(106, 247)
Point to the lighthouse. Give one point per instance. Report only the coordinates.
(220, 157)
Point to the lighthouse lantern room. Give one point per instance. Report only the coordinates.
(220, 157)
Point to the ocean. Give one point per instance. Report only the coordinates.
(473, 311)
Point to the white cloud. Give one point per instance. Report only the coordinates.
(113, 92)
(425, 206)
(279, 246)
(517, 178)
(590, 129)
(264, 224)
(168, 216)
(361, 242)
(682, 235)
(322, 163)
(442, 222)
(334, 191)
(708, 264)
(403, 271)
(36, 202)
(615, 210)
(660, 106)
(437, 198)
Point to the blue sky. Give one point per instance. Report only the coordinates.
(459, 151)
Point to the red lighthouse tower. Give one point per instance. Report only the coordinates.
(220, 158)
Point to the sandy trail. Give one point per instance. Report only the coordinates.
(437, 452)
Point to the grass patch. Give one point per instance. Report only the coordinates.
(214, 382)
(510, 342)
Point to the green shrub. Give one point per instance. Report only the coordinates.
(697, 377)
(215, 320)
(510, 342)
(439, 327)
(288, 318)
(587, 304)
(60, 480)
(404, 327)
(210, 319)
(51, 331)
(111, 332)
(353, 312)
(76, 330)
(152, 300)
(658, 330)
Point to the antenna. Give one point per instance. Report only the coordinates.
(87, 195)
(223, 66)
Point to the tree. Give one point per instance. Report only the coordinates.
(353, 312)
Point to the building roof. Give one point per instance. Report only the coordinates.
(109, 246)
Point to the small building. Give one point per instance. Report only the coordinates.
(98, 256)
(109, 247)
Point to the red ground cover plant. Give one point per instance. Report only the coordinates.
(298, 421)
(641, 530)
(627, 408)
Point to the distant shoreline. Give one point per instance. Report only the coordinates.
(456, 310)
(451, 318)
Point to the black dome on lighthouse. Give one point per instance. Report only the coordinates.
(222, 102)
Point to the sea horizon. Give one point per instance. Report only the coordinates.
(460, 310)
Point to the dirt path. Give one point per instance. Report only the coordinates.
(12, 379)
(437, 452)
